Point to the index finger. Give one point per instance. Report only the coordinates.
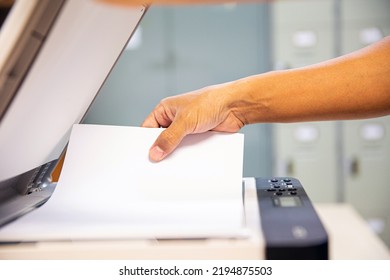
(150, 121)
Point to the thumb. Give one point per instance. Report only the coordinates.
(166, 142)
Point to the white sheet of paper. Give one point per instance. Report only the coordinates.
(110, 189)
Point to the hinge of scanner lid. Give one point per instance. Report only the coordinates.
(41, 177)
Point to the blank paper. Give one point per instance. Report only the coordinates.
(109, 189)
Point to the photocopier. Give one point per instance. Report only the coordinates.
(54, 57)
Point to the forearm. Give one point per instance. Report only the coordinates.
(350, 87)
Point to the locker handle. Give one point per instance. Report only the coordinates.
(290, 167)
(354, 167)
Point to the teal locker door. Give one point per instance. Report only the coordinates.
(217, 44)
(303, 35)
(367, 176)
(139, 79)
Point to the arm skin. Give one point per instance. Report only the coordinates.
(354, 86)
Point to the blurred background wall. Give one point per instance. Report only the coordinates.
(179, 49)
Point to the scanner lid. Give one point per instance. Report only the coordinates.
(54, 57)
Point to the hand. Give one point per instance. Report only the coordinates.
(194, 112)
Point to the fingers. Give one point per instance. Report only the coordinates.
(159, 117)
(167, 142)
(151, 121)
(171, 137)
(181, 115)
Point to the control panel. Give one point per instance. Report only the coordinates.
(290, 224)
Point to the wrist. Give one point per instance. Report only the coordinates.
(246, 101)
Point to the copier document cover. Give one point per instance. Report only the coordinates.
(110, 189)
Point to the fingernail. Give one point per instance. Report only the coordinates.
(156, 153)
